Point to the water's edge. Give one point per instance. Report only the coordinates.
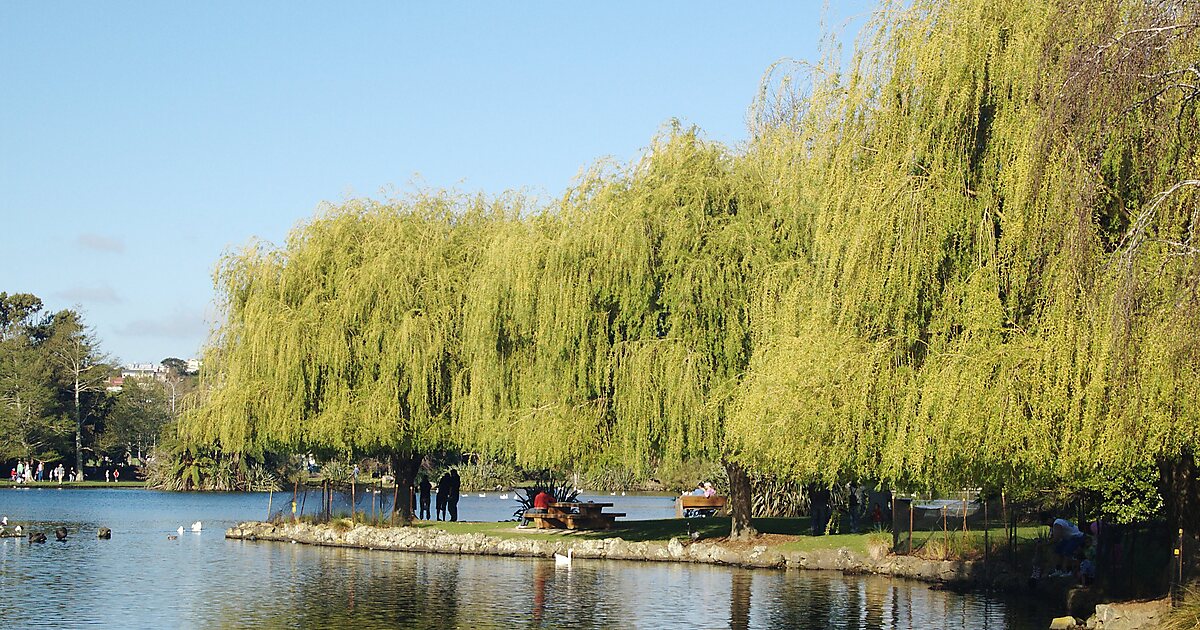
(432, 540)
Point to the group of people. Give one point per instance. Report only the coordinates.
(1074, 550)
(449, 488)
(27, 472)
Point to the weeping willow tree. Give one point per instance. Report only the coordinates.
(993, 271)
(615, 325)
(345, 340)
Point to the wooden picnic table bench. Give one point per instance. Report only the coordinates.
(575, 515)
(710, 505)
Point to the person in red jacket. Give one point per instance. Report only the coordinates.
(541, 505)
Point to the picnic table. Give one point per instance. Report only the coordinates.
(575, 515)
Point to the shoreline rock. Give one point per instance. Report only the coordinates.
(433, 540)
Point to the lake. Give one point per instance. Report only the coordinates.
(141, 579)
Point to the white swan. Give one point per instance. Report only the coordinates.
(180, 530)
(482, 494)
(504, 496)
(561, 560)
(197, 526)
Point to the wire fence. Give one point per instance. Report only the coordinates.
(1146, 559)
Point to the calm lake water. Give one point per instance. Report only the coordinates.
(140, 579)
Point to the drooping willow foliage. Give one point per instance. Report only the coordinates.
(995, 279)
(966, 258)
(347, 339)
(617, 321)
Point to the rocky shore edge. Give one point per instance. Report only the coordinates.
(433, 540)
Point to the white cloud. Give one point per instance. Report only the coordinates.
(90, 295)
(100, 243)
(180, 324)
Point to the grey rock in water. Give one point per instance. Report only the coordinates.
(104, 533)
(60, 533)
(37, 537)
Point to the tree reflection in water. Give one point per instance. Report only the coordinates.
(324, 587)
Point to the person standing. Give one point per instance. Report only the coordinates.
(452, 500)
(424, 487)
(40, 468)
(116, 475)
(443, 496)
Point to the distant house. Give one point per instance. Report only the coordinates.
(114, 384)
(144, 370)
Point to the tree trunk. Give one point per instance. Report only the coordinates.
(1179, 486)
(405, 467)
(740, 527)
(78, 434)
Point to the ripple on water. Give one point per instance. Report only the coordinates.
(141, 579)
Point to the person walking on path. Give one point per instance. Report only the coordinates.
(455, 488)
(425, 487)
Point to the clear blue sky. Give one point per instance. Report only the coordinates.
(140, 140)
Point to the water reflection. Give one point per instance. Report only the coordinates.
(141, 579)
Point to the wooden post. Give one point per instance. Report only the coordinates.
(303, 497)
(270, 495)
(352, 497)
(295, 491)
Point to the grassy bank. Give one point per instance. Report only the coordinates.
(787, 534)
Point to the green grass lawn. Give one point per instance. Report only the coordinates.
(662, 530)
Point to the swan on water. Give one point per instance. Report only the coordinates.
(504, 496)
(180, 530)
(482, 494)
(560, 560)
(197, 526)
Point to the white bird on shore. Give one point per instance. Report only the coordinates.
(197, 526)
(561, 560)
(180, 530)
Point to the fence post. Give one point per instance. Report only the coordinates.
(1176, 582)
(910, 525)
(895, 529)
(986, 524)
